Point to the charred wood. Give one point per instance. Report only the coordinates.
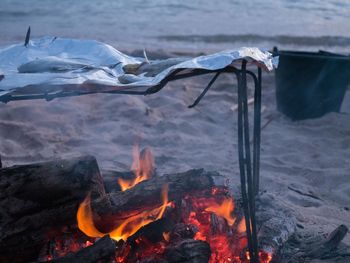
(188, 251)
(325, 248)
(110, 179)
(305, 247)
(182, 231)
(153, 232)
(147, 195)
(101, 251)
(37, 199)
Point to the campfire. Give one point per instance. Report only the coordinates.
(201, 224)
(136, 216)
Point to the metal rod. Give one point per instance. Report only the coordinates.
(241, 162)
(257, 133)
(205, 90)
(175, 75)
(248, 166)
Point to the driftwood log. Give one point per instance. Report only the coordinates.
(37, 199)
(102, 250)
(147, 195)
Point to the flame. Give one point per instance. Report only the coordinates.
(128, 227)
(241, 228)
(142, 166)
(85, 219)
(224, 210)
(166, 236)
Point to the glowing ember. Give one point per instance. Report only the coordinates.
(166, 236)
(226, 238)
(126, 228)
(142, 166)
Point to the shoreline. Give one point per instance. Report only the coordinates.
(205, 44)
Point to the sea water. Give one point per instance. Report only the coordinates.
(183, 25)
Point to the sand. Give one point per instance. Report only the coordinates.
(304, 164)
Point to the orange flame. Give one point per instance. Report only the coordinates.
(85, 219)
(128, 227)
(142, 166)
(224, 210)
(241, 228)
(166, 236)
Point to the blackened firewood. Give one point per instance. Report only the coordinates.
(153, 259)
(147, 194)
(110, 179)
(40, 198)
(336, 237)
(330, 244)
(306, 246)
(188, 251)
(218, 225)
(182, 231)
(101, 251)
(153, 232)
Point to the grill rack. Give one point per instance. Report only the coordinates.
(249, 166)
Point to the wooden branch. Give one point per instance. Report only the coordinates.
(102, 250)
(40, 198)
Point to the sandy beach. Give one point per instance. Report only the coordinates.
(304, 164)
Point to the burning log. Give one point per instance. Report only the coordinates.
(122, 205)
(40, 198)
(110, 179)
(102, 250)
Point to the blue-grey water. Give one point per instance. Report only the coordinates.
(183, 25)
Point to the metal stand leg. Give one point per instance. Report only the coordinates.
(249, 172)
(257, 133)
(248, 183)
